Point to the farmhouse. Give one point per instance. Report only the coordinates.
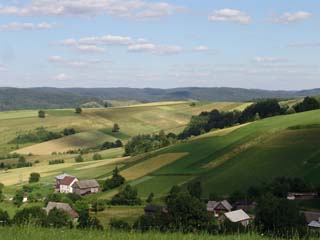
(150, 210)
(84, 187)
(238, 216)
(63, 206)
(218, 208)
(65, 185)
(59, 180)
(312, 218)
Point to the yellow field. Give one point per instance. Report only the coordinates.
(151, 165)
(19, 175)
(74, 142)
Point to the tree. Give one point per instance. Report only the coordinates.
(79, 158)
(4, 218)
(116, 224)
(18, 198)
(59, 218)
(69, 131)
(115, 181)
(308, 104)
(78, 110)
(98, 205)
(186, 213)
(195, 189)
(127, 196)
(41, 114)
(85, 221)
(116, 127)
(34, 177)
(32, 215)
(97, 156)
(150, 197)
(279, 216)
(1, 192)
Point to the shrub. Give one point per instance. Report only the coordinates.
(116, 180)
(116, 224)
(97, 156)
(32, 215)
(127, 196)
(79, 158)
(34, 177)
(59, 218)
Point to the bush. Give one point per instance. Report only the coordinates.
(116, 180)
(98, 205)
(41, 114)
(308, 104)
(78, 110)
(32, 215)
(97, 156)
(4, 218)
(59, 218)
(116, 224)
(69, 131)
(34, 177)
(128, 196)
(57, 161)
(79, 159)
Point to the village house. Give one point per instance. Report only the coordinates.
(58, 179)
(66, 183)
(150, 210)
(238, 216)
(62, 206)
(84, 187)
(313, 219)
(303, 196)
(218, 208)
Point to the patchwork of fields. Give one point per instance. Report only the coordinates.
(223, 160)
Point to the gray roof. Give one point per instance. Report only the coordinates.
(62, 176)
(211, 205)
(62, 206)
(314, 224)
(83, 184)
(311, 216)
(237, 216)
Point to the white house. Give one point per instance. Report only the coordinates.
(238, 216)
(66, 183)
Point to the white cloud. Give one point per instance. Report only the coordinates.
(155, 49)
(107, 39)
(201, 48)
(89, 49)
(26, 26)
(269, 60)
(292, 17)
(306, 44)
(62, 77)
(3, 68)
(139, 9)
(230, 15)
(74, 63)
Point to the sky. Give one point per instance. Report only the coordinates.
(265, 44)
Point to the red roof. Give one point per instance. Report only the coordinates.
(67, 180)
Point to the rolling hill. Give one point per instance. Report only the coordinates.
(223, 160)
(46, 98)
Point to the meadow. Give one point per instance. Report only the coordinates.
(27, 233)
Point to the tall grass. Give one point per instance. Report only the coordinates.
(32, 233)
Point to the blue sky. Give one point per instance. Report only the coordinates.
(267, 44)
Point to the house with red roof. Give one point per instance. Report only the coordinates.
(64, 183)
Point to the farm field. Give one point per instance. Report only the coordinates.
(223, 160)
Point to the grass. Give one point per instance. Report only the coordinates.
(246, 156)
(27, 233)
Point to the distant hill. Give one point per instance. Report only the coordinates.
(35, 98)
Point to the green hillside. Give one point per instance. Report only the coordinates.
(247, 156)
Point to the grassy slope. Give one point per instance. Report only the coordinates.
(247, 156)
(133, 120)
(53, 234)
